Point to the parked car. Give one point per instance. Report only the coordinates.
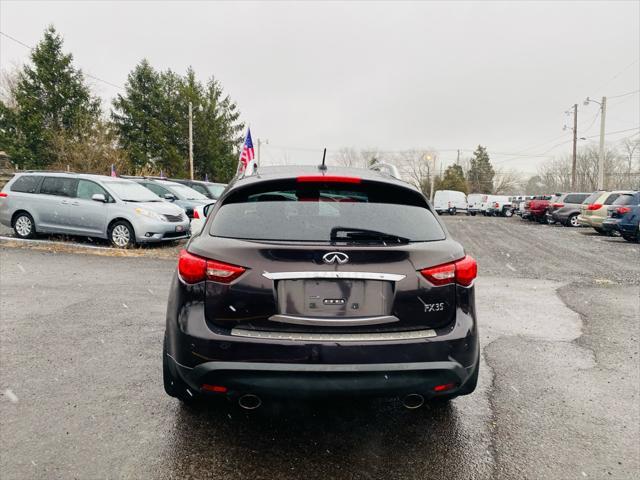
(629, 224)
(594, 209)
(317, 283)
(181, 195)
(536, 208)
(474, 202)
(210, 190)
(450, 201)
(617, 213)
(566, 208)
(520, 211)
(90, 205)
(500, 206)
(200, 217)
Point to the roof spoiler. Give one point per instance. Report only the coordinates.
(386, 168)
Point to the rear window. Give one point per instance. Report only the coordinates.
(26, 183)
(576, 197)
(611, 198)
(64, 187)
(592, 198)
(625, 199)
(324, 213)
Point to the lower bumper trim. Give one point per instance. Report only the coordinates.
(334, 337)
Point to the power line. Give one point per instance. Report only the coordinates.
(617, 74)
(85, 73)
(624, 94)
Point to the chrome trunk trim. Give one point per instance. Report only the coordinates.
(391, 277)
(333, 322)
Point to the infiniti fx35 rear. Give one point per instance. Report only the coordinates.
(321, 283)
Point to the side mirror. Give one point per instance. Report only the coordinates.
(169, 196)
(99, 197)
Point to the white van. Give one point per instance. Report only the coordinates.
(450, 201)
(474, 200)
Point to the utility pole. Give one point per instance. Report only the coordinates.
(458, 158)
(575, 142)
(191, 140)
(433, 175)
(603, 112)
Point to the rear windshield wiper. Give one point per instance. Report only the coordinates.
(354, 234)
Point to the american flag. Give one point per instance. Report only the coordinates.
(113, 170)
(247, 154)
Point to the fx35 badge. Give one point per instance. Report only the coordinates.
(432, 307)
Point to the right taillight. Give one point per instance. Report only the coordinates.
(195, 213)
(623, 210)
(463, 272)
(558, 205)
(194, 269)
(594, 206)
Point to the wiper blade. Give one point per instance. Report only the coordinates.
(365, 235)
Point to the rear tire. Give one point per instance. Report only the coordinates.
(121, 234)
(24, 226)
(473, 214)
(573, 221)
(632, 239)
(600, 231)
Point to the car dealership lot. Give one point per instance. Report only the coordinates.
(80, 368)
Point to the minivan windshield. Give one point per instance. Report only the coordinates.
(129, 191)
(325, 216)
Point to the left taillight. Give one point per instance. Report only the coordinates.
(195, 213)
(463, 272)
(193, 269)
(4, 194)
(623, 210)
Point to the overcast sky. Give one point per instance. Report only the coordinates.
(389, 75)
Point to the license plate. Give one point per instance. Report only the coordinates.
(179, 228)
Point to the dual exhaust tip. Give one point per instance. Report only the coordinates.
(250, 401)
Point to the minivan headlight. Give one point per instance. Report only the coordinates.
(148, 213)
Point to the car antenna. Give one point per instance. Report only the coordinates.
(322, 166)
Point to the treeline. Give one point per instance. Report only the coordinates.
(51, 119)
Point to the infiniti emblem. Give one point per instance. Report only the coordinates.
(335, 257)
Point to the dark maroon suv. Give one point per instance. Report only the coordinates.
(308, 282)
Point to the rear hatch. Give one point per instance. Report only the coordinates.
(327, 256)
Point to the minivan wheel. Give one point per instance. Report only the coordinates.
(24, 226)
(121, 234)
(573, 221)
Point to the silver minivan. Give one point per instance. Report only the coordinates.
(113, 208)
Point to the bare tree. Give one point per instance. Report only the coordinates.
(8, 81)
(506, 182)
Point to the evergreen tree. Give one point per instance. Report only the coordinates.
(481, 172)
(50, 99)
(453, 179)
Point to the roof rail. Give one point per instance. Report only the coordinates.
(387, 168)
(46, 171)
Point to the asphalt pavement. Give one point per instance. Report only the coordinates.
(81, 392)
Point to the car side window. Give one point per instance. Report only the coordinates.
(60, 186)
(26, 184)
(157, 189)
(86, 189)
(611, 198)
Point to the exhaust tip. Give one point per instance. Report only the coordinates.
(249, 401)
(413, 401)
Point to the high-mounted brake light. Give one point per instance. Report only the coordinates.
(594, 206)
(327, 179)
(463, 272)
(194, 269)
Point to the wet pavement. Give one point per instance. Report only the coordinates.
(81, 392)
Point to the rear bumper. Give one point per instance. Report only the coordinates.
(304, 380)
(610, 224)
